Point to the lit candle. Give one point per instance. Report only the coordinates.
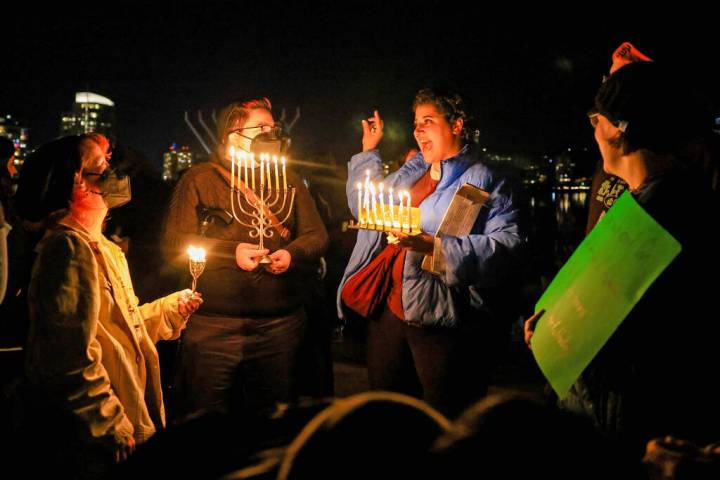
(196, 254)
(407, 196)
(400, 209)
(245, 167)
(282, 160)
(277, 177)
(267, 173)
(366, 200)
(392, 207)
(262, 172)
(232, 168)
(252, 169)
(359, 216)
(238, 166)
(373, 198)
(382, 205)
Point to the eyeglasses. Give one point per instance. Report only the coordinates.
(103, 176)
(594, 120)
(593, 117)
(274, 129)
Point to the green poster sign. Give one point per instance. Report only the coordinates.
(596, 289)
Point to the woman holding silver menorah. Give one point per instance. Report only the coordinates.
(429, 331)
(263, 237)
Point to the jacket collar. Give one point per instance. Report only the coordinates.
(72, 224)
(451, 168)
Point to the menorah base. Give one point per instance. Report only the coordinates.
(265, 260)
(384, 228)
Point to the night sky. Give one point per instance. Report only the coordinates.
(529, 79)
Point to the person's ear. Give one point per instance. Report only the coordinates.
(79, 181)
(458, 126)
(616, 138)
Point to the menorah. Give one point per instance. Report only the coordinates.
(375, 214)
(265, 204)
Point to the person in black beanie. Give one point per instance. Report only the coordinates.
(655, 375)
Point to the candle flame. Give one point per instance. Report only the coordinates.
(197, 254)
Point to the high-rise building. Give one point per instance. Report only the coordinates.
(175, 161)
(18, 134)
(90, 113)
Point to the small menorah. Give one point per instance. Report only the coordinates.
(266, 204)
(375, 214)
(196, 264)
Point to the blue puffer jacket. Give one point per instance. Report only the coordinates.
(474, 262)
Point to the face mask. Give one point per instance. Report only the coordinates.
(270, 143)
(115, 190)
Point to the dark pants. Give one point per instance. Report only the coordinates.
(446, 367)
(237, 365)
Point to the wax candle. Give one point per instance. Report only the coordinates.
(382, 204)
(252, 169)
(400, 209)
(407, 196)
(359, 211)
(267, 171)
(392, 207)
(282, 160)
(232, 171)
(245, 168)
(262, 171)
(277, 177)
(196, 254)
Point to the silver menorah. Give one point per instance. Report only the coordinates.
(265, 205)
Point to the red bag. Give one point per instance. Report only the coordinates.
(368, 289)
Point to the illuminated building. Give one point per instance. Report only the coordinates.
(91, 113)
(18, 134)
(176, 161)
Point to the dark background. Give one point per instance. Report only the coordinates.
(530, 74)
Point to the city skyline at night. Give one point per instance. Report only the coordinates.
(530, 82)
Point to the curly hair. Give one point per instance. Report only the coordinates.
(449, 104)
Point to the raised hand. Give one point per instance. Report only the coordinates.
(372, 131)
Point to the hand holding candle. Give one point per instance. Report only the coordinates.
(189, 302)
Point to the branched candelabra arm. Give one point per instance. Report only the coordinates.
(289, 210)
(284, 197)
(242, 209)
(274, 198)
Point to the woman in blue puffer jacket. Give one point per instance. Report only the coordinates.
(433, 335)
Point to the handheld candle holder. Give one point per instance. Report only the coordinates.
(197, 264)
